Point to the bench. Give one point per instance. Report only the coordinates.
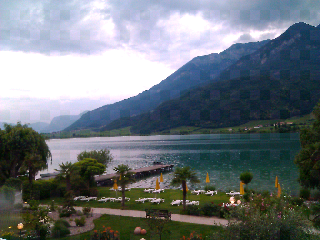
(161, 213)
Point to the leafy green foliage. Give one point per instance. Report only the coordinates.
(89, 167)
(308, 159)
(21, 148)
(125, 178)
(102, 156)
(41, 189)
(266, 218)
(246, 177)
(7, 196)
(80, 222)
(14, 183)
(181, 176)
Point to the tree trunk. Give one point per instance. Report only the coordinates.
(123, 195)
(68, 185)
(184, 193)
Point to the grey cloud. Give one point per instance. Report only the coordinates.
(74, 26)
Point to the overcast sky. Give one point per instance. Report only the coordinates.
(66, 56)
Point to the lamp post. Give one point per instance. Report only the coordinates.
(20, 226)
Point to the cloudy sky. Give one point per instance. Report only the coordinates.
(66, 56)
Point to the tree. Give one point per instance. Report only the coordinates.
(181, 176)
(65, 171)
(308, 159)
(103, 156)
(125, 177)
(246, 177)
(22, 146)
(158, 224)
(89, 167)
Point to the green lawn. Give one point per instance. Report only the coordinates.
(126, 225)
(9, 220)
(135, 193)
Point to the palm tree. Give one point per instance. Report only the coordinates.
(33, 164)
(181, 176)
(65, 171)
(125, 177)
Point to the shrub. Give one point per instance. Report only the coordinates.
(193, 210)
(246, 177)
(210, 209)
(66, 212)
(86, 211)
(39, 190)
(266, 218)
(296, 201)
(305, 193)
(80, 222)
(13, 183)
(316, 196)
(79, 213)
(210, 188)
(7, 196)
(60, 229)
(62, 222)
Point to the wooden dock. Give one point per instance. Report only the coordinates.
(107, 180)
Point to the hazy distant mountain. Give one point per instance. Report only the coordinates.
(198, 72)
(61, 122)
(278, 81)
(38, 126)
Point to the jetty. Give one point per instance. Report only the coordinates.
(108, 179)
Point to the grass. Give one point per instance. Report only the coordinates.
(126, 226)
(9, 219)
(136, 193)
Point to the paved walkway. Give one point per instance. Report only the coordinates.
(174, 217)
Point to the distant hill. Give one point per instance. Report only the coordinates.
(61, 122)
(278, 81)
(38, 126)
(198, 72)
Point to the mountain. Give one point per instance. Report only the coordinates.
(61, 122)
(277, 81)
(38, 126)
(198, 72)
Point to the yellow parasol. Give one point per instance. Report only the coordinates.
(241, 188)
(161, 178)
(115, 186)
(279, 190)
(207, 178)
(157, 185)
(276, 183)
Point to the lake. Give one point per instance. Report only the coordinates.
(223, 156)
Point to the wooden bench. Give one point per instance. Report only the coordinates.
(161, 213)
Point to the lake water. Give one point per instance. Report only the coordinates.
(223, 156)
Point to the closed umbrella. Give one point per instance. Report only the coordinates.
(276, 183)
(207, 178)
(161, 178)
(279, 190)
(157, 185)
(241, 188)
(115, 186)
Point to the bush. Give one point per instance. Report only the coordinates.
(79, 213)
(305, 193)
(86, 211)
(60, 229)
(41, 189)
(62, 222)
(66, 212)
(296, 201)
(264, 219)
(13, 183)
(210, 209)
(7, 196)
(210, 188)
(80, 222)
(193, 210)
(246, 177)
(316, 196)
